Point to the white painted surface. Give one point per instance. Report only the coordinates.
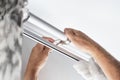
(100, 19)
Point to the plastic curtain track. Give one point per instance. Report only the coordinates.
(35, 28)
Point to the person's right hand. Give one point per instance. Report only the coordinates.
(81, 40)
(109, 65)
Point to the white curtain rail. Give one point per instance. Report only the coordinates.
(47, 27)
(35, 28)
(39, 39)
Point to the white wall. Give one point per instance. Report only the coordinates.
(100, 19)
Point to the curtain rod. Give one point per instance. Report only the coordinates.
(35, 28)
(47, 26)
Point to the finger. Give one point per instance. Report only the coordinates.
(39, 47)
(49, 39)
(69, 33)
(46, 50)
(77, 32)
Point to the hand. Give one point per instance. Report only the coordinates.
(37, 60)
(39, 55)
(80, 40)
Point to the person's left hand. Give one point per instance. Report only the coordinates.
(39, 55)
(37, 60)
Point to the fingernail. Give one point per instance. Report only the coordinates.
(50, 40)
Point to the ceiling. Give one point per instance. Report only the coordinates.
(100, 19)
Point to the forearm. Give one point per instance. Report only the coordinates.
(30, 74)
(109, 65)
(33, 69)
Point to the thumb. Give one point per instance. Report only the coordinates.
(69, 33)
(46, 50)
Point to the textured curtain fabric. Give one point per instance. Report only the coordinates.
(89, 70)
(11, 19)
